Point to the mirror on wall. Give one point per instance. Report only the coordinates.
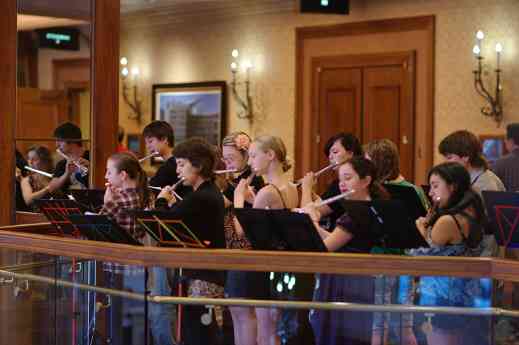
(54, 40)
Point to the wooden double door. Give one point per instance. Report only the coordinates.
(371, 96)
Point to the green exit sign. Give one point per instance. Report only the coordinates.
(58, 38)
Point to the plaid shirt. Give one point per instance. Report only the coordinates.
(117, 210)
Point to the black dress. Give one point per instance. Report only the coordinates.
(329, 221)
(341, 327)
(243, 284)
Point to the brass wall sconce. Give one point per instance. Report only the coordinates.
(131, 86)
(244, 102)
(494, 108)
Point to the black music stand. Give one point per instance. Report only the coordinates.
(102, 228)
(503, 213)
(57, 211)
(410, 199)
(390, 221)
(167, 229)
(279, 230)
(91, 200)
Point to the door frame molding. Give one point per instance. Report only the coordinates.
(422, 23)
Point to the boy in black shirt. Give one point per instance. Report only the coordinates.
(159, 137)
(72, 172)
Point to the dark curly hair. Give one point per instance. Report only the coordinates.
(199, 153)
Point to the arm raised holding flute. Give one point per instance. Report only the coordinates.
(73, 169)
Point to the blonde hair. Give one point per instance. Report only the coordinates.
(268, 142)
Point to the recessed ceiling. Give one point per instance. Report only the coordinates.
(27, 22)
(137, 13)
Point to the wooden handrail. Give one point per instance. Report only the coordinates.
(253, 260)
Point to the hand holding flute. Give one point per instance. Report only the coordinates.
(422, 223)
(168, 193)
(82, 168)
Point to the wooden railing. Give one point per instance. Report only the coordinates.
(18, 237)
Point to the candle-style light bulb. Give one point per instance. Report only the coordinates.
(235, 53)
(247, 64)
(480, 35)
(499, 50)
(124, 61)
(476, 50)
(125, 72)
(234, 66)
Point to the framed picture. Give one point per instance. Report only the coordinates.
(493, 147)
(135, 144)
(192, 109)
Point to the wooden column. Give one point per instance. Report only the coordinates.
(105, 85)
(7, 110)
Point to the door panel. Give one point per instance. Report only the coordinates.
(340, 95)
(39, 112)
(388, 111)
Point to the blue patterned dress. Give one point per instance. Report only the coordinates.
(455, 291)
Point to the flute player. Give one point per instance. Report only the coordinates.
(70, 173)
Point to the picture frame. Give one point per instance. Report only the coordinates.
(493, 147)
(193, 109)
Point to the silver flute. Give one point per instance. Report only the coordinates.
(38, 171)
(320, 172)
(220, 172)
(334, 198)
(151, 155)
(83, 169)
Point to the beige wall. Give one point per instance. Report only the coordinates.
(198, 52)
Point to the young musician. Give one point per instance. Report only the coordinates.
(127, 189)
(384, 154)
(160, 138)
(338, 148)
(235, 152)
(35, 186)
(71, 172)
(357, 176)
(267, 157)
(202, 211)
(453, 228)
(464, 147)
(235, 156)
